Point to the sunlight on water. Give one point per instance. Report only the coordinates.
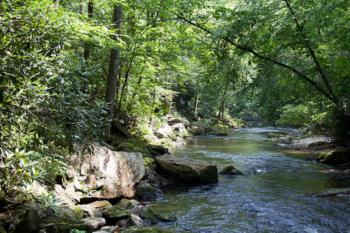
(271, 196)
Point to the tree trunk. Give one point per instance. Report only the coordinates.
(90, 8)
(112, 76)
(126, 81)
(196, 106)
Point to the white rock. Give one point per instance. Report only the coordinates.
(105, 173)
(165, 131)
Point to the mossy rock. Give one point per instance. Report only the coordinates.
(127, 204)
(115, 213)
(157, 214)
(149, 162)
(335, 157)
(146, 230)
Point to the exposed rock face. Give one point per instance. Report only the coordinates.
(187, 171)
(105, 173)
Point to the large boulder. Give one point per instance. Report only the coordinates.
(104, 173)
(186, 170)
(310, 142)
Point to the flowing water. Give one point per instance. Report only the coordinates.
(271, 196)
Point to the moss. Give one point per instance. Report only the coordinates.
(115, 212)
(127, 204)
(149, 162)
(156, 214)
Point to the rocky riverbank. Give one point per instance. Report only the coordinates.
(103, 191)
(108, 191)
(319, 148)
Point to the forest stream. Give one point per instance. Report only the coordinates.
(273, 195)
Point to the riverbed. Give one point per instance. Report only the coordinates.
(273, 195)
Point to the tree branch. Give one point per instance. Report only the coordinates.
(263, 57)
(311, 50)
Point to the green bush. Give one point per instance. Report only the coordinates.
(298, 115)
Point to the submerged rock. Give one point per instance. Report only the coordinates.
(187, 171)
(230, 170)
(157, 214)
(333, 192)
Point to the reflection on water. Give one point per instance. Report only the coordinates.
(270, 197)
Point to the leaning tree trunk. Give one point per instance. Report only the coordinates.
(113, 70)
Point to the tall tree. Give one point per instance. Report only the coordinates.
(114, 66)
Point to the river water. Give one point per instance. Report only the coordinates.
(271, 196)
